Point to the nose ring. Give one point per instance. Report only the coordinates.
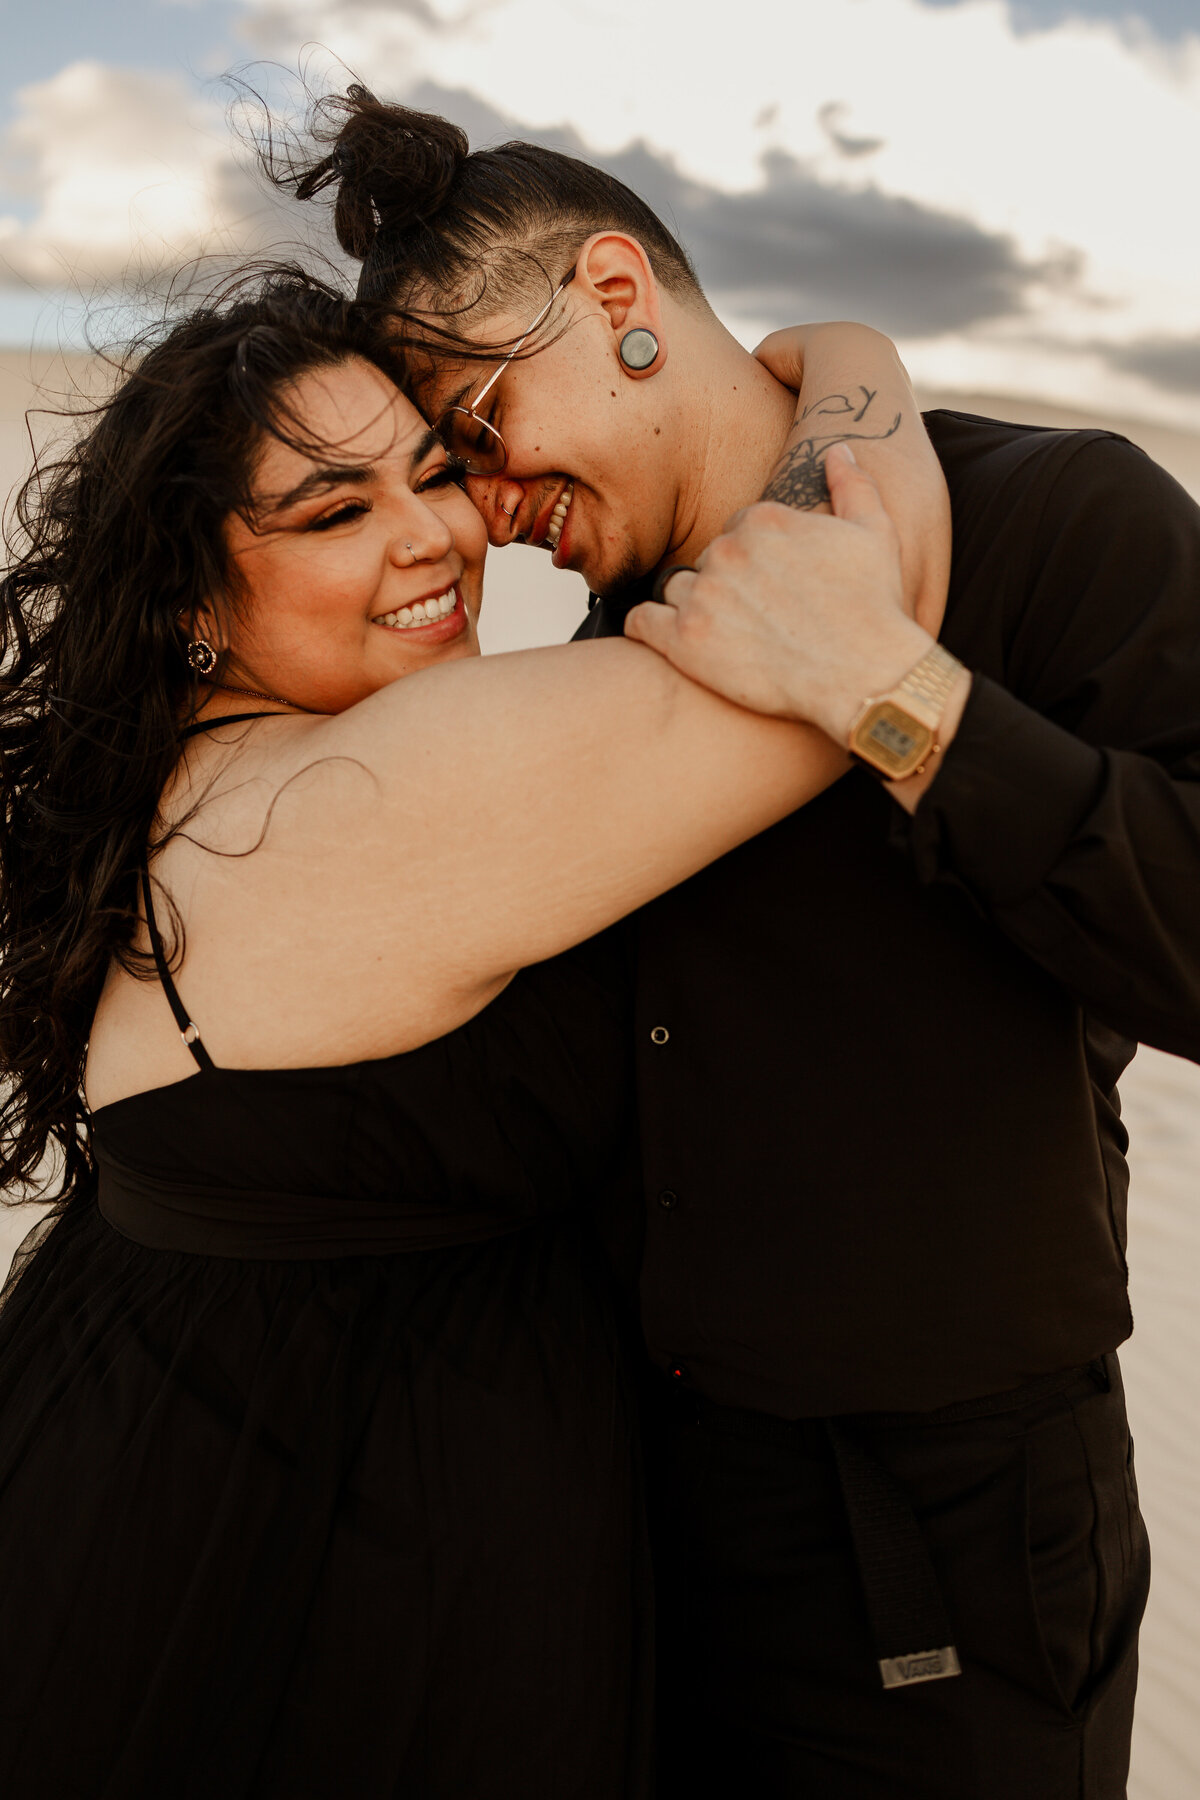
(507, 514)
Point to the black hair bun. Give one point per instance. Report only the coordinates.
(394, 167)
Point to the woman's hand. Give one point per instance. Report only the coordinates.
(783, 352)
(794, 613)
(852, 387)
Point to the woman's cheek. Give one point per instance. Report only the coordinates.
(470, 532)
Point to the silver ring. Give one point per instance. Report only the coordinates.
(507, 514)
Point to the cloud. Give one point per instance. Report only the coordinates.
(116, 166)
(829, 118)
(801, 247)
(1171, 20)
(798, 246)
(817, 160)
(123, 175)
(1170, 363)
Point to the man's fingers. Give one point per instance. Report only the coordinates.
(667, 575)
(652, 624)
(852, 492)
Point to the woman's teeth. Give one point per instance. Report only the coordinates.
(421, 612)
(554, 528)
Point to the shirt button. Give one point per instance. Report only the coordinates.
(668, 1198)
(659, 1035)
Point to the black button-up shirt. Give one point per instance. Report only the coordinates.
(882, 1154)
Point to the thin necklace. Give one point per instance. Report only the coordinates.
(256, 694)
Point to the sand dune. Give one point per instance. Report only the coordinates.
(529, 604)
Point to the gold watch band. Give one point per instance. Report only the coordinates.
(895, 734)
(928, 686)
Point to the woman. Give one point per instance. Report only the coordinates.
(316, 1465)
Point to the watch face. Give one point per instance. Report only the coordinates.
(892, 740)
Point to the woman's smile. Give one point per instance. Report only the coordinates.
(436, 619)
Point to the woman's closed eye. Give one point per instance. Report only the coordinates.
(341, 515)
(447, 474)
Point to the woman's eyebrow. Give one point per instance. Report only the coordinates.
(357, 474)
(320, 479)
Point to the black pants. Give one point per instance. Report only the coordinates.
(768, 1675)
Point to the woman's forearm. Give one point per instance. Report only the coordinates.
(852, 387)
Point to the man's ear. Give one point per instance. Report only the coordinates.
(614, 272)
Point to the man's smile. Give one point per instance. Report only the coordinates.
(544, 518)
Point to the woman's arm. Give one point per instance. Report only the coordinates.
(416, 850)
(460, 824)
(853, 388)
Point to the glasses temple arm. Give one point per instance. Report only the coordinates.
(494, 377)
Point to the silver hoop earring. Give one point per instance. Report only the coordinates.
(202, 656)
(638, 348)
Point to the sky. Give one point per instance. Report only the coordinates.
(1004, 186)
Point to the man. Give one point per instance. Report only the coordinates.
(899, 1548)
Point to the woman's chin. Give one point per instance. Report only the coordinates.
(410, 659)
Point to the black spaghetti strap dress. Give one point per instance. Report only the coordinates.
(318, 1476)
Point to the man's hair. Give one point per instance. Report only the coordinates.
(441, 229)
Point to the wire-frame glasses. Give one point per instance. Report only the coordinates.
(470, 440)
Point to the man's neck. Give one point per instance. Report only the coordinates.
(739, 418)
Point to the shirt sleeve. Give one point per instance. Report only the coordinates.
(1068, 807)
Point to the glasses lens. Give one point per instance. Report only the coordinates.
(472, 442)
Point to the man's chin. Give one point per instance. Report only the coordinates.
(615, 578)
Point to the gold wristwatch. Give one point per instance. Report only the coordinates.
(895, 734)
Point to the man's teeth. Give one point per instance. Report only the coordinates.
(421, 612)
(554, 529)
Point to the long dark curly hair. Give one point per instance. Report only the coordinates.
(113, 549)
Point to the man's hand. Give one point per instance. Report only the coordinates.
(853, 388)
(794, 613)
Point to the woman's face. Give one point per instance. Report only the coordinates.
(364, 561)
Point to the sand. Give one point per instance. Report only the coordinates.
(528, 603)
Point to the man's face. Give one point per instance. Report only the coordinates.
(589, 475)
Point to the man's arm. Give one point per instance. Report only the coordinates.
(1068, 805)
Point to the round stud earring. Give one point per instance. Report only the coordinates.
(638, 348)
(202, 656)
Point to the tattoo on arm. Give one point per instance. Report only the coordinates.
(799, 477)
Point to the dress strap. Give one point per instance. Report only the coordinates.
(188, 1030)
(199, 725)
